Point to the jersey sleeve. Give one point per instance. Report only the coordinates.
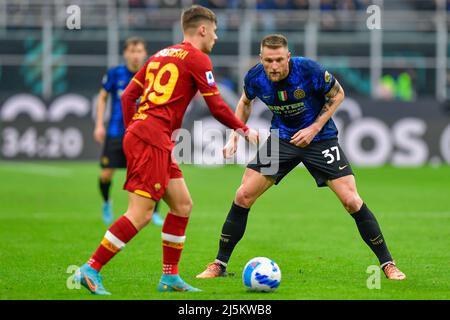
(201, 71)
(139, 77)
(323, 80)
(108, 80)
(131, 94)
(248, 88)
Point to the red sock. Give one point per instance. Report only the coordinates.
(173, 238)
(115, 239)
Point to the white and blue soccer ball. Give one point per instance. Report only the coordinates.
(261, 274)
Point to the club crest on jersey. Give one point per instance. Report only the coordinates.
(299, 94)
(282, 95)
(210, 78)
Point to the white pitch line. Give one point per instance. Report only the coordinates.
(37, 169)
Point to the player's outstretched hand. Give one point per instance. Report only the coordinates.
(99, 134)
(231, 147)
(252, 136)
(304, 136)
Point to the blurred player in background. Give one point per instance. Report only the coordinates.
(303, 97)
(167, 83)
(114, 83)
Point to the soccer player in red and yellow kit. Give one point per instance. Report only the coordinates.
(166, 84)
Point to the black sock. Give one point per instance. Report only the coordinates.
(156, 207)
(232, 231)
(104, 189)
(370, 231)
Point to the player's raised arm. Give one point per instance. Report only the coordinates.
(132, 92)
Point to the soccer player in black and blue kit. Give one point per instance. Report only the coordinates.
(302, 97)
(114, 83)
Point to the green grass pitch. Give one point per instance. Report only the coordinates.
(50, 219)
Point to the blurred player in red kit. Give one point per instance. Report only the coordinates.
(166, 84)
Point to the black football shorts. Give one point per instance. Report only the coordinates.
(112, 155)
(324, 160)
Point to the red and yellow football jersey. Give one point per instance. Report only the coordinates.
(167, 83)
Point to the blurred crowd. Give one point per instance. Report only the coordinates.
(260, 4)
(325, 5)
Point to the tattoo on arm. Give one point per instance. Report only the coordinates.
(326, 107)
(331, 99)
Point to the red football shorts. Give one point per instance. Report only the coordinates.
(149, 168)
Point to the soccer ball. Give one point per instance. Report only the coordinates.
(261, 274)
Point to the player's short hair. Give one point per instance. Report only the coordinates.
(274, 41)
(192, 16)
(132, 41)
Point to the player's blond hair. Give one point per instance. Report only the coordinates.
(274, 41)
(194, 15)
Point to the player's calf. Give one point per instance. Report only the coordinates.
(115, 239)
(173, 238)
(370, 232)
(105, 187)
(367, 224)
(232, 232)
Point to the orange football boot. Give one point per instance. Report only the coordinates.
(392, 272)
(213, 270)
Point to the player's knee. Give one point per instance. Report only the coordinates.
(184, 208)
(244, 198)
(187, 207)
(352, 202)
(106, 175)
(139, 218)
(146, 218)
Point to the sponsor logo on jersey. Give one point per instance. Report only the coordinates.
(288, 110)
(210, 78)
